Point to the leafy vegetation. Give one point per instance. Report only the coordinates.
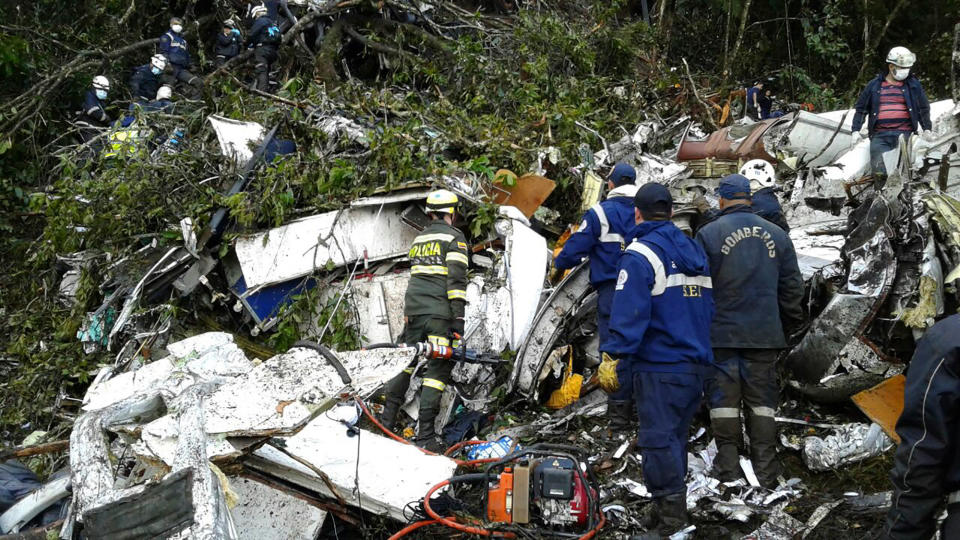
(461, 93)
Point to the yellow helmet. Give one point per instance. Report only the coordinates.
(442, 201)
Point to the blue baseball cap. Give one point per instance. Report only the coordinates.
(734, 186)
(653, 199)
(622, 174)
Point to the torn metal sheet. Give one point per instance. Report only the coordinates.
(778, 526)
(29, 507)
(872, 270)
(266, 513)
(815, 139)
(336, 238)
(339, 126)
(391, 474)
(851, 443)
(548, 327)
(161, 510)
(286, 391)
(819, 515)
(526, 195)
(205, 357)
(735, 142)
(379, 302)
(236, 137)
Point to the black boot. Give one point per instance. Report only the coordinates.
(389, 415)
(619, 412)
(668, 516)
(429, 409)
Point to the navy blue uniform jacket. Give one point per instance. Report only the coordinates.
(144, 84)
(757, 283)
(868, 104)
(174, 47)
(766, 205)
(663, 303)
(604, 232)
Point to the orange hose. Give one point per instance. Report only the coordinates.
(394, 436)
(412, 527)
(453, 524)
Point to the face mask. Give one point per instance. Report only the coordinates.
(155, 70)
(901, 74)
(101, 94)
(177, 28)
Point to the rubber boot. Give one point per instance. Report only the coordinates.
(668, 515)
(619, 413)
(429, 409)
(395, 391)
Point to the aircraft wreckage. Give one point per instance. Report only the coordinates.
(205, 439)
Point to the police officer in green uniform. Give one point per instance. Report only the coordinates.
(433, 310)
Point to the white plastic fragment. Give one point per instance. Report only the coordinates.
(236, 137)
(747, 466)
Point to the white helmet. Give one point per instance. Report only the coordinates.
(760, 173)
(101, 83)
(258, 11)
(164, 92)
(901, 57)
(158, 61)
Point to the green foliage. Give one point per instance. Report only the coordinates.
(14, 57)
(827, 36)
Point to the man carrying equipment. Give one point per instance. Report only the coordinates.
(433, 310)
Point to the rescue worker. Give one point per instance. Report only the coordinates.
(145, 80)
(93, 117)
(758, 290)
(753, 100)
(603, 233)
(926, 466)
(433, 310)
(173, 47)
(660, 331)
(763, 185)
(265, 37)
(893, 105)
(162, 102)
(228, 43)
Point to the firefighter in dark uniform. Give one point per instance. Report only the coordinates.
(265, 36)
(758, 290)
(433, 309)
(926, 467)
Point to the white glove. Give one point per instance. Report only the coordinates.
(926, 134)
(855, 138)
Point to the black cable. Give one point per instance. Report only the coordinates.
(373, 346)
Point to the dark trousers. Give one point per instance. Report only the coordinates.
(880, 143)
(264, 56)
(666, 404)
(420, 328)
(747, 376)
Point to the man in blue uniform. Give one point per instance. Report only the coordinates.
(758, 290)
(228, 43)
(660, 330)
(145, 80)
(173, 47)
(603, 234)
(926, 467)
(265, 37)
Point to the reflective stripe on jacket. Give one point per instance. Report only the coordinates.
(604, 232)
(438, 273)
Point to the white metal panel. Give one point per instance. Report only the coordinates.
(266, 513)
(306, 245)
(391, 475)
(235, 137)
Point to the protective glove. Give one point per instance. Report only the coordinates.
(235, 32)
(855, 139)
(607, 374)
(926, 134)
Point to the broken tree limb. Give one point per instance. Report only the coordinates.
(377, 46)
(27, 451)
(706, 106)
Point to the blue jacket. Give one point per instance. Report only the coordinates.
(144, 84)
(603, 234)
(766, 205)
(93, 111)
(757, 284)
(926, 466)
(264, 32)
(228, 45)
(174, 47)
(663, 303)
(869, 104)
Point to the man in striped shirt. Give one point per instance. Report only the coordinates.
(894, 105)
